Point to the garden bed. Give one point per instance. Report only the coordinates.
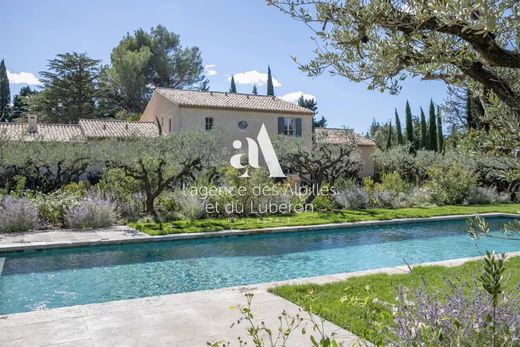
(362, 305)
(314, 218)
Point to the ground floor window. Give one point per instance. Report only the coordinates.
(289, 126)
(209, 123)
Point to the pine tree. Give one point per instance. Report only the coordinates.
(20, 106)
(389, 138)
(270, 86)
(400, 139)
(233, 88)
(424, 131)
(5, 92)
(432, 136)
(409, 124)
(440, 135)
(255, 91)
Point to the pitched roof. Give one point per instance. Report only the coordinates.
(98, 129)
(336, 135)
(45, 132)
(231, 101)
(85, 129)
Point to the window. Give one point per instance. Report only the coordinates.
(289, 126)
(209, 123)
(170, 125)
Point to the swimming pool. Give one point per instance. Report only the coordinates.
(33, 280)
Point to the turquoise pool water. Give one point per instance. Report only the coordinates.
(33, 280)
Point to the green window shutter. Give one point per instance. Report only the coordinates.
(280, 125)
(298, 127)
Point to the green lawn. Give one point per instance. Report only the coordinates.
(350, 304)
(313, 218)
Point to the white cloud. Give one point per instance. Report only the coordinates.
(22, 78)
(294, 96)
(210, 69)
(254, 77)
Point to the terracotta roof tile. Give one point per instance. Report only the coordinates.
(98, 129)
(231, 101)
(45, 132)
(335, 135)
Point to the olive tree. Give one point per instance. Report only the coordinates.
(321, 160)
(46, 166)
(164, 162)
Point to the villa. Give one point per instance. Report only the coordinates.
(173, 110)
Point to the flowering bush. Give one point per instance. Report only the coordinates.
(484, 195)
(17, 214)
(190, 206)
(353, 198)
(454, 317)
(51, 207)
(92, 211)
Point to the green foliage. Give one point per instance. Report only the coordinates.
(52, 206)
(432, 136)
(123, 190)
(450, 185)
(233, 88)
(5, 93)
(389, 137)
(20, 106)
(312, 218)
(424, 143)
(440, 135)
(409, 124)
(255, 90)
(400, 139)
(69, 89)
(270, 85)
(363, 305)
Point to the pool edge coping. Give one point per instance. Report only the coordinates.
(145, 238)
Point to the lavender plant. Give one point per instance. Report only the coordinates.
(91, 212)
(460, 315)
(17, 214)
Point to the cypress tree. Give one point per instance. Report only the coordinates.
(440, 135)
(424, 132)
(409, 124)
(389, 138)
(5, 92)
(400, 139)
(233, 88)
(255, 91)
(270, 86)
(432, 136)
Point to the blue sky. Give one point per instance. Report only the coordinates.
(235, 36)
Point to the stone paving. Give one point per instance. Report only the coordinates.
(187, 319)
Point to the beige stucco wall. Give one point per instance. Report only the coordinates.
(185, 119)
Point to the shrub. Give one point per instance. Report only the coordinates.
(323, 202)
(461, 315)
(449, 186)
(51, 207)
(392, 182)
(484, 195)
(92, 211)
(191, 206)
(353, 198)
(387, 199)
(123, 190)
(418, 197)
(17, 214)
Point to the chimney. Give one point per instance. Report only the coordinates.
(32, 124)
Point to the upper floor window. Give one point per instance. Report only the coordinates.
(289, 126)
(209, 123)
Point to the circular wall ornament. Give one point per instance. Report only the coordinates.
(242, 124)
